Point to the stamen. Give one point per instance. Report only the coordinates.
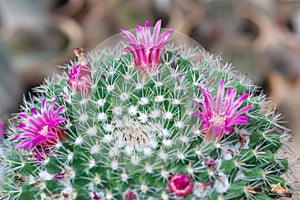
(218, 118)
(44, 131)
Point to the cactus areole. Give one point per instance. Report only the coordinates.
(148, 114)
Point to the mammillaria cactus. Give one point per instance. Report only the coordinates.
(158, 118)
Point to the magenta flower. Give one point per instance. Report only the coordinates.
(211, 163)
(41, 128)
(80, 78)
(59, 176)
(96, 197)
(130, 195)
(217, 116)
(181, 185)
(1, 129)
(146, 47)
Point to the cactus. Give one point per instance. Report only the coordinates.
(151, 116)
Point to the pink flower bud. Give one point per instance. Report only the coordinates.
(181, 185)
(80, 78)
(130, 195)
(96, 197)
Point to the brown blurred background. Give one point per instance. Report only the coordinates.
(260, 37)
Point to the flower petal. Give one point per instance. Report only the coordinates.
(22, 143)
(230, 95)
(165, 36)
(208, 100)
(220, 95)
(238, 103)
(243, 110)
(156, 31)
(51, 107)
(24, 135)
(57, 111)
(129, 36)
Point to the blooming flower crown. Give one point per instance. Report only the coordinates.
(155, 117)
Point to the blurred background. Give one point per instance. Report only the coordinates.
(260, 38)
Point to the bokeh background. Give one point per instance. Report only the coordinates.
(261, 38)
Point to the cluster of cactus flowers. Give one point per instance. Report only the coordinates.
(156, 117)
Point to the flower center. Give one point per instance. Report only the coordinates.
(218, 118)
(181, 183)
(44, 131)
(133, 134)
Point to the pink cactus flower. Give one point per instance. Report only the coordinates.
(211, 163)
(1, 129)
(41, 128)
(220, 114)
(180, 185)
(59, 176)
(146, 47)
(80, 78)
(96, 197)
(130, 195)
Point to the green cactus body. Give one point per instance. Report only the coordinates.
(129, 133)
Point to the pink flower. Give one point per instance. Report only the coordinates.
(217, 116)
(130, 195)
(146, 47)
(211, 163)
(1, 129)
(96, 197)
(41, 128)
(80, 78)
(181, 185)
(59, 176)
